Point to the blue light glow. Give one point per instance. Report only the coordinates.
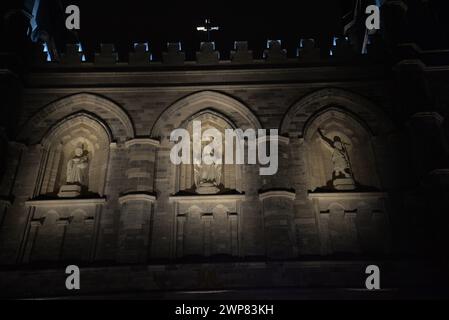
(33, 20)
(47, 52)
(269, 41)
(147, 46)
(80, 49)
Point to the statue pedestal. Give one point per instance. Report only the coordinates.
(207, 188)
(344, 184)
(69, 191)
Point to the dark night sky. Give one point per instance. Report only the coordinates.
(157, 22)
(160, 22)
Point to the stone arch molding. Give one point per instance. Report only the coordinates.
(59, 144)
(116, 119)
(296, 119)
(232, 109)
(73, 120)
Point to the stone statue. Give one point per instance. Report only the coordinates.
(77, 168)
(342, 176)
(207, 177)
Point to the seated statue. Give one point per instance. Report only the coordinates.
(77, 168)
(207, 178)
(76, 175)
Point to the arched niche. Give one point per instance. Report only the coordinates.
(299, 114)
(60, 144)
(113, 115)
(175, 115)
(338, 125)
(230, 174)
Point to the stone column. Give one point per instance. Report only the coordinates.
(281, 180)
(141, 165)
(193, 234)
(351, 229)
(279, 229)
(180, 223)
(9, 177)
(207, 233)
(135, 228)
(35, 225)
(307, 228)
(323, 229)
(234, 233)
(430, 149)
(137, 202)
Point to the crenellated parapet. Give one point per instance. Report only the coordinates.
(207, 55)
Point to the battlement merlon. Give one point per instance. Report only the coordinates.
(173, 56)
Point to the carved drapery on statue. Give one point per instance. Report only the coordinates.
(207, 177)
(75, 158)
(78, 167)
(77, 174)
(211, 177)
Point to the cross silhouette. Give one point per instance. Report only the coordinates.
(207, 28)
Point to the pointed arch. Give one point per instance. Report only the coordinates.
(83, 118)
(117, 120)
(232, 109)
(59, 142)
(295, 120)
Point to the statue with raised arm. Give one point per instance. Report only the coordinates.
(342, 175)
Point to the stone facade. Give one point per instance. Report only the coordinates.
(137, 207)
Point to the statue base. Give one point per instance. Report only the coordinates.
(344, 184)
(69, 191)
(207, 188)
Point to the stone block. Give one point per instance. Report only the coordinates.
(274, 52)
(241, 54)
(174, 54)
(207, 54)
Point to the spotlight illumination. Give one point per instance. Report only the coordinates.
(47, 52)
(269, 41)
(147, 46)
(80, 49)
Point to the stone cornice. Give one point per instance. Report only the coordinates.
(347, 195)
(136, 197)
(277, 194)
(182, 78)
(207, 198)
(65, 202)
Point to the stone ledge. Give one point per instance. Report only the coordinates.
(65, 202)
(277, 194)
(136, 197)
(348, 195)
(202, 198)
